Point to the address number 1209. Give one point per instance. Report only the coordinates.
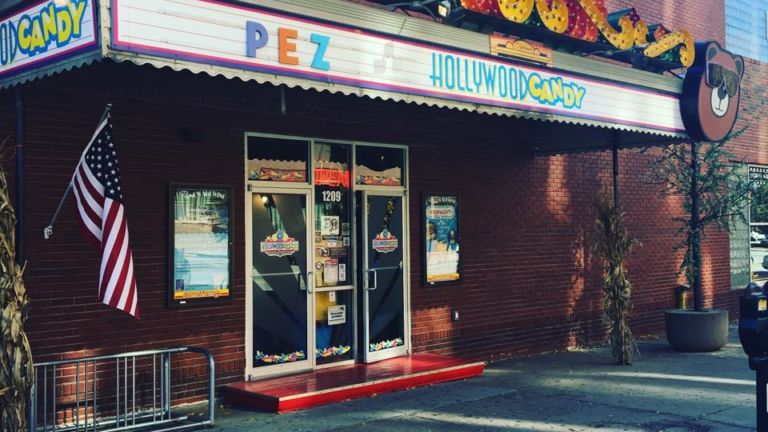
(331, 196)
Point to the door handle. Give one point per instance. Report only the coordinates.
(310, 280)
(375, 280)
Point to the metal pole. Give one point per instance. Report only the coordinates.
(615, 170)
(696, 250)
(77, 396)
(32, 426)
(20, 218)
(167, 383)
(54, 394)
(95, 394)
(761, 371)
(211, 382)
(48, 230)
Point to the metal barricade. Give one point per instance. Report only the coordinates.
(101, 393)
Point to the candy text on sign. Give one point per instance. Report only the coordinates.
(257, 37)
(49, 27)
(456, 73)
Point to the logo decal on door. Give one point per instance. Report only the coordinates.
(384, 242)
(279, 244)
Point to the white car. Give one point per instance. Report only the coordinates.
(756, 236)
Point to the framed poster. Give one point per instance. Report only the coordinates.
(200, 263)
(441, 238)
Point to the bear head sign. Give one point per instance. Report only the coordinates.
(711, 92)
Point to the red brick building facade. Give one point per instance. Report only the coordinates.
(531, 282)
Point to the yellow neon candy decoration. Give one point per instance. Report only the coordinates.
(641, 33)
(669, 42)
(554, 18)
(516, 10)
(621, 40)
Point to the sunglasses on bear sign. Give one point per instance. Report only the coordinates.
(717, 74)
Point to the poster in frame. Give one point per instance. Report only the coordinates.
(442, 262)
(200, 264)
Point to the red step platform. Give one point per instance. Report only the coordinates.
(304, 390)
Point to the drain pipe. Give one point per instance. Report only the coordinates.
(615, 160)
(19, 175)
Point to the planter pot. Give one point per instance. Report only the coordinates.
(697, 331)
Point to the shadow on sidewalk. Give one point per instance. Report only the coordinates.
(578, 390)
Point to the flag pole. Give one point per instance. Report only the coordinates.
(48, 231)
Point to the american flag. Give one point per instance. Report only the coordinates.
(99, 195)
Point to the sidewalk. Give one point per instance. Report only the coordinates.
(571, 391)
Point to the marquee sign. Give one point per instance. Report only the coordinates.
(246, 37)
(45, 31)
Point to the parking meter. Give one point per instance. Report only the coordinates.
(753, 334)
(753, 320)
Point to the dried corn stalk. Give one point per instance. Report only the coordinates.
(613, 244)
(16, 367)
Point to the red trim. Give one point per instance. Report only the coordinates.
(51, 57)
(250, 400)
(382, 387)
(115, 22)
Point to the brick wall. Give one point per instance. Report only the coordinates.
(531, 282)
(62, 273)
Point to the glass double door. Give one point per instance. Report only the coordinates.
(305, 295)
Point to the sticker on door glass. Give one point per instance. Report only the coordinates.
(331, 272)
(329, 225)
(337, 315)
(279, 244)
(384, 242)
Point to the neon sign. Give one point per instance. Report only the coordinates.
(332, 177)
(589, 20)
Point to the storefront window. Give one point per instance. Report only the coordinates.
(379, 166)
(277, 159)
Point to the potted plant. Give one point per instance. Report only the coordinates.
(714, 195)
